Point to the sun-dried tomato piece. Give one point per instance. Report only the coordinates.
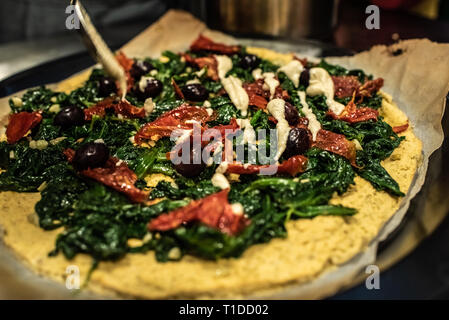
(20, 123)
(177, 89)
(115, 174)
(345, 86)
(120, 107)
(352, 114)
(302, 60)
(292, 166)
(203, 43)
(210, 62)
(214, 211)
(336, 143)
(370, 87)
(126, 64)
(401, 128)
(259, 97)
(183, 117)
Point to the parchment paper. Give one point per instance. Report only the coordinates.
(417, 79)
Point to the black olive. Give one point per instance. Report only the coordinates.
(140, 68)
(106, 86)
(297, 143)
(69, 116)
(152, 89)
(249, 61)
(195, 92)
(304, 77)
(191, 169)
(291, 114)
(90, 155)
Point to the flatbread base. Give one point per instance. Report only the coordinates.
(313, 246)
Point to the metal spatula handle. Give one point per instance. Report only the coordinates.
(98, 48)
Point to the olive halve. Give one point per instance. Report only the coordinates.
(249, 61)
(90, 155)
(140, 68)
(195, 92)
(298, 142)
(191, 169)
(148, 88)
(106, 86)
(69, 116)
(304, 78)
(291, 114)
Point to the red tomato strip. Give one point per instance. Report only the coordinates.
(201, 62)
(345, 86)
(336, 143)
(259, 97)
(126, 64)
(291, 166)
(352, 114)
(213, 211)
(20, 123)
(177, 89)
(370, 87)
(116, 175)
(120, 107)
(401, 128)
(172, 120)
(203, 43)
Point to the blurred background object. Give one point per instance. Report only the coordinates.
(292, 19)
(34, 31)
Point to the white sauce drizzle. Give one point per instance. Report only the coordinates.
(321, 83)
(314, 126)
(293, 71)
(270, 83)
(276, 108)
(249, 135)
(232, 85)
(237, 94)
(224, 65)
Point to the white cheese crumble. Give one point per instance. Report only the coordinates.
(144, 82)
(17, 102)
(148, 106)
(314, 126)
(38, 144)
(321, 83)
(257, 74)
(55, 108)
(237, 208)
(99, 141)
(193, 81)
(293, 71)
(276, 108)
(207, 104)
(219, 180)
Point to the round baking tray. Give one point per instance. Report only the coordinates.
(422, 273)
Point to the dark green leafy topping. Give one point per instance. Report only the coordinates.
(99, 221)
